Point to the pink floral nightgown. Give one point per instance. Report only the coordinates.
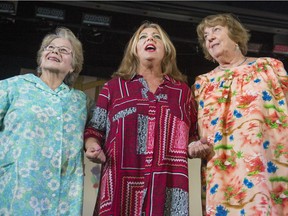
(244, 111)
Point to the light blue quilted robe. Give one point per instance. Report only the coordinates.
(41, 148)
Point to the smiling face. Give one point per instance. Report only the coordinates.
(150, 46)
(217, 41)
(56, 60)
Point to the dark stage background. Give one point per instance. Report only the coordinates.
(22, 27)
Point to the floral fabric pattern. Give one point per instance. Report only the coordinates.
(245, 112)
(41, 148)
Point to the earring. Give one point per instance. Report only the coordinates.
(237, 47)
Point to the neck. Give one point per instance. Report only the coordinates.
(53, 81)
(150, 71)
(229, 65)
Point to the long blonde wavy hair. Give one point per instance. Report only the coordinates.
(130, 61)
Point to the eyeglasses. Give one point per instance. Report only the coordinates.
(61, 49)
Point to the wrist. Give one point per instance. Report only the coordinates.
(91, 143)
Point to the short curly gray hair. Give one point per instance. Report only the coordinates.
(77, 52)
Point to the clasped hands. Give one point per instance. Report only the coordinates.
(202, 148)
(94, 152)
(197, 149)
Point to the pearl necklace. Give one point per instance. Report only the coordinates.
(223, 68)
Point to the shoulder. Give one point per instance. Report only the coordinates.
(179, 85)
(13, 78)
(251, 60)
(185, 86)
(117, 83)
(264, 62)
(175, 82)
(16, 79)
(206, 77)
(16, 83)
(267, 60)
(79, 93)
(113, 81)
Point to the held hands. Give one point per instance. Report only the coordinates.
(200, 149)
(94, 151)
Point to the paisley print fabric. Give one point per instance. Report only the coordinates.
(245, 112)
(41, 148)
(145, 141)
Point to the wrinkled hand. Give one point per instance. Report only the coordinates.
(200, 149)
(94, 152)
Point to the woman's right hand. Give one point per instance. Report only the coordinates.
(94, 152)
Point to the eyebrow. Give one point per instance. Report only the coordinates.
(59, 46)
(153, 33)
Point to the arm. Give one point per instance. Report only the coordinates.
(197, 148)
(4, 101)
(95, 130)
(282, 75)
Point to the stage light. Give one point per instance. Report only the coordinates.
(98, 20)
(50, 13)
(8, 7)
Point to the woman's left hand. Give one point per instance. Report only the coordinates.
(200, 149)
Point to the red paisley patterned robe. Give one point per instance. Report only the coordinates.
(145, 138)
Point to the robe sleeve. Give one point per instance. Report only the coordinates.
(97, 124)
(193, 136)
(281, 74)
(4, 101)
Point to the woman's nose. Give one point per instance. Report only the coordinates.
(55, 51)
(210, 37)
(150, 38)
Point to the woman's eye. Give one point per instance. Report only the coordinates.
(157, 36)
(142, 37)
(63, 50)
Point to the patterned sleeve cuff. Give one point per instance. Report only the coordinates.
(91, 132)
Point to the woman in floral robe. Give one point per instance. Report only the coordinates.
(42, 121)
(242, 108)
